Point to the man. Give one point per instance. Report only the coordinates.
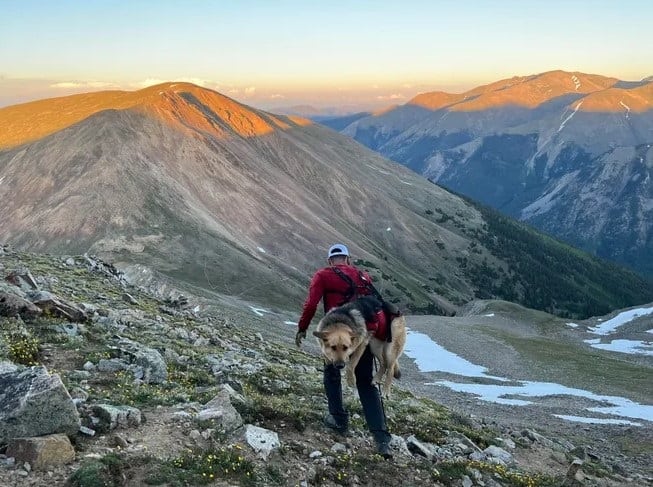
(333, 285)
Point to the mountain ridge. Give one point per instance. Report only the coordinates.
(576, 165)
(208, 199)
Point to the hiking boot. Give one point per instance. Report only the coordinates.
(383, 449)
(331, 423)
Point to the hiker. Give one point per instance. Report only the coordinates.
(333, 285)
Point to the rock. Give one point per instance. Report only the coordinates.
(23, 279)
(86, 431)
(398, 445)
(118, 441)
(221, 412)
(149, 360)
(315, 454)
(70, 329)
(112, 417)
(261, 440)
(13, 302)
(35, 403)
(505, 443)
(70, 261)
(111, 365)
(129, 299)
(49, 303)
(455, 437)
(574, 475)
(467, 482)
(42, 452)
(419, 448)
(495, 453)
(338, 448)
(579, 452)
(89, 366)
(6, 367)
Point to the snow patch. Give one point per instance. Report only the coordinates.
(2, 179)
(562, 125)
(261, 249)
(633, 347)
(406, 182)
(293, 323)
(489, 315)
(431, 357)
(576, 81)
(572, 325)
(583, 419)
(626, 107)
(258, 311)
(611, 325)
(388, 229)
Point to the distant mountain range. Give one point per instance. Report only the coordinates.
(569, 153)
(244, 202)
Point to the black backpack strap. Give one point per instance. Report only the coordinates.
(351, 291)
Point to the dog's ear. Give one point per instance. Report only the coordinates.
(319, 334)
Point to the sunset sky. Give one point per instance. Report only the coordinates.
(361, 54)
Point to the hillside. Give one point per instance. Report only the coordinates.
(568, 152)
(233, 199)
(192, 377)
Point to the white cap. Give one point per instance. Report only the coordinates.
(337, 249)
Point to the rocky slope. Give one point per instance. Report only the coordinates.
(567, 152)
(229, 198)
(192, 391)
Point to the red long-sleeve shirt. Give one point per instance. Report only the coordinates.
(328, 286)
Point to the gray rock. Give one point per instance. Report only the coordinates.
(221, 412)
(50, 303)
(419, 448)
(111, 365)
(6, 367)
(112, 417)
(495, 453)
(153, 366)
(262, 441)
(35, 403)
(13, 302)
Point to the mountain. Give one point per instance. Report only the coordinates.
(569, 153)
(229, 198)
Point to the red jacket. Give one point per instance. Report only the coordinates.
(328, 286)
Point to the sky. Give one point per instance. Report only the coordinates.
(337, 53)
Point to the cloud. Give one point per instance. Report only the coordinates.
(250, 90)
(276, 96)
(394, 96)
(83, 84)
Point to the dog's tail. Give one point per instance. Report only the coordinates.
(396, 373)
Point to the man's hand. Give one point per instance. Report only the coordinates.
(301, 334)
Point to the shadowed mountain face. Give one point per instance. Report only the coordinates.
(240, 201)
(567, 152)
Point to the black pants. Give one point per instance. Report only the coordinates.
(368, 393)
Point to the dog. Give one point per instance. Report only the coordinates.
(343, 335)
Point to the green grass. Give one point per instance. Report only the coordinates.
(581, 367)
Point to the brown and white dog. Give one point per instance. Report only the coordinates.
(343, 336)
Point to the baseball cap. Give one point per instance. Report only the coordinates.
(337, 249)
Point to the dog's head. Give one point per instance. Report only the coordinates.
(338, 342)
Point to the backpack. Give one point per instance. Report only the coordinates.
(354, 292)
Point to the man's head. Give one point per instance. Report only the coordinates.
(338, 254)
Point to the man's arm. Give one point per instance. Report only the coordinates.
(315, 293)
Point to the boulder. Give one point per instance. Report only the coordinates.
(261, 440)
(14, 302)
(221, 412)
(42, 452)
(51, 304)
(35, 403)
(148, 364)
(112, 417)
